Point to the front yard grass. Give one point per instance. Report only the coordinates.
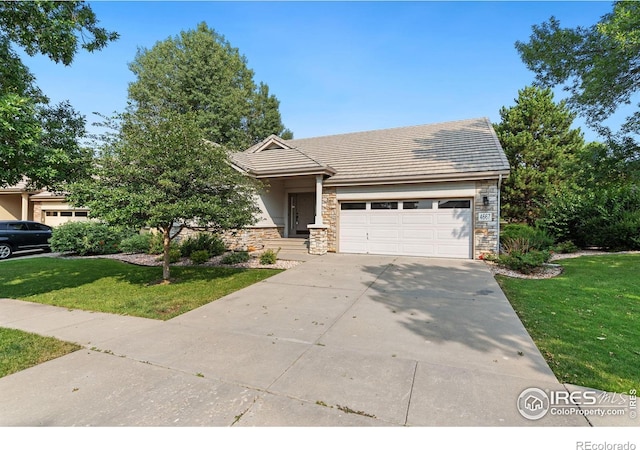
(20, 350)
(586, 322)
(111, 286)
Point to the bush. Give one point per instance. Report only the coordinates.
(156, 246)
(174, 254)
(200, 256)
(524, 262)
(85, 238)
(269, 257)
(138, 243)
(535, 238)
(236, 257)
(566, 247)
(211, 243)
(605, 217)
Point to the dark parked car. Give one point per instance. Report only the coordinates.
(23, 235)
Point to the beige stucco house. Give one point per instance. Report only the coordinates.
(429, 190)
(18, 202)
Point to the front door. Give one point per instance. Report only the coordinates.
(302, 208)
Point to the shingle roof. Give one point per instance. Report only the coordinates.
(465, 148)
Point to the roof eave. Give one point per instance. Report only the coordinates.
(279, 173)
(466, 176)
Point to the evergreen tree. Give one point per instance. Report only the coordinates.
(540, 144)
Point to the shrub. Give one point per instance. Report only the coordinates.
(174, 254)
(211, 243)
(606, 217)
(200, 256)
(524, 262)
(156, 246)
(535, 238)
(235, 258)
(138, 243)
(566, 247)
(269, 257)
(85, 238)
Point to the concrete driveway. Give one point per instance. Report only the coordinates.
(341, 340)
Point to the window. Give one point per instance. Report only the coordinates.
(351, 206)
(450, 204)
(82, 213)
(66, 213)
(384, 205)
(17, 226)
(39, 227)
(417, 204)
(52, 213)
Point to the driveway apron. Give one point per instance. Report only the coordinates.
(340, 340)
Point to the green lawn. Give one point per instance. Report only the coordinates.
(20, 350)
(585, 322)
(115, 287)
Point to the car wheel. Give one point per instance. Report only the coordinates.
(5, 251)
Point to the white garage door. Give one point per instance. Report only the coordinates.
(411, 227)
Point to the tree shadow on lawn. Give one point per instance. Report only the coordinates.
(446, 302)
(26, 278)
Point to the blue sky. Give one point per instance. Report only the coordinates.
(336, 67)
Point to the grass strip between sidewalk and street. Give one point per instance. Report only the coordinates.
(20, 350)
(586, 322)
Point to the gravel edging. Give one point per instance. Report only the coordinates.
(143, 259)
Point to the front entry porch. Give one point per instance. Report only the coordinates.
(301, 213)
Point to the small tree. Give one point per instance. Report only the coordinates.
(158, 171)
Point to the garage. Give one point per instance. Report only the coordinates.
(422, 227)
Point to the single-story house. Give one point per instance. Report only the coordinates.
(428, 190)
(18, 202)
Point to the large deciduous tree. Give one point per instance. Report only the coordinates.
(39, 141)
(157, 171)
(599, 65)
(540, 144)
(199, 71)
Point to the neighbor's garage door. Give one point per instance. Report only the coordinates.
(410, 227)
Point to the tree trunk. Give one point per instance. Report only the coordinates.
(165, 260)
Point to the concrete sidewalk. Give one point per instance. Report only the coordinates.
(341, 340)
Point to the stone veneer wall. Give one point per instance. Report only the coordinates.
(37, 212)
(246, 239)
(485, 233)
(318, 239)
(330, 217)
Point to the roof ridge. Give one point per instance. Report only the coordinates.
(391, 129)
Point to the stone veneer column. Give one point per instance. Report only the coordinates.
(317, 239)
(486, 231)
(330, 217)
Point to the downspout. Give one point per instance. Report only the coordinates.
(498, 218)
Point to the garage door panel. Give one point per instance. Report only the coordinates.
(384, 248)
(386, 218)
(419, 232)
(448, 218)
(354, 247)
(384, 234)
(419, 218)
(416, 249)
(352, 219)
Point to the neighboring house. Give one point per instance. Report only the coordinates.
(429, 190)
(20, 203)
